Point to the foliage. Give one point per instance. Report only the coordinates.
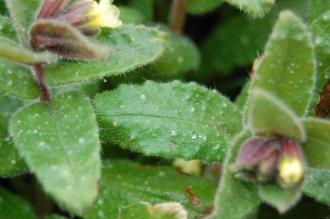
(119, 108)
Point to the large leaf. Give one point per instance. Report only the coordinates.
(255, 8)
(287, 68)
(317, 146)
(10, 162)
(22, 13)
(267, 115)
(132, 46)
(222, 50)
(180, 55)
(235, 199)
(59, 141)
(15, 80)
(202, 6)
(125, 182)
(169, 120)
(14, 207)
(317, 185)
(145, 7)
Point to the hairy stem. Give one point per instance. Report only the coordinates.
(38, 70)
(178, 15)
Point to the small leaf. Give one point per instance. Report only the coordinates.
(267, 115)
(243, 96)
(11, 163)
(173, 120)
(317, 146)
(198, 7)
(235, 199)
(125, 182)
(255, 8)
(317, 185)
(14, 207)
(22, 13)
(59, 141)
(170, 210)
(287, 68)
(12, 52)
(281, 199)
(180, 56)
(132, 47)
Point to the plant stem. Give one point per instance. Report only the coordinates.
(39, 73)
(178, 15)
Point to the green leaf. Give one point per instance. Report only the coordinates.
(13, 52)
(235, 199)
(222, 50)
(173, 120)
(180, 56)
(243, 96)
(281, 199)
(316, 8)
(321, 34)
(268, 115)
(317, 185)
(287, 68)
(255, 8)
(14, 207)
(59, 142)
(14, 79)
(202, 6)
(317, 146)
(124, 182)
(11, 163)
(145, 210)
(17, 80)
(132, 47)
(22, 13)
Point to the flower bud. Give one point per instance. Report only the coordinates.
(264, 159)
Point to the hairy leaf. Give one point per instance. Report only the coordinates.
(59, 142)
(267, 115)
(235, 199)
(281, 199)
(180, 55)
(255, 8)
(169, 120)
(317, 146)
(287, 68)
(14, 79)
(317, 185)
(11, 163)
(132, 46)
(125, 182)
(14, 207)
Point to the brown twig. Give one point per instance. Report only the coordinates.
(38, 70)
(178, 15)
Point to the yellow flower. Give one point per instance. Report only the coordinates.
(291, 171)
(104, 14)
